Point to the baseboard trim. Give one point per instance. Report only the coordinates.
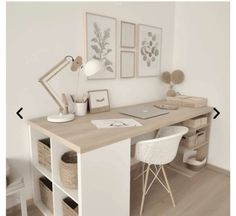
(218, 169)
(17, 208)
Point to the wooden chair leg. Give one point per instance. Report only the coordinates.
(168, 186)
(23, 204)
(144, 190)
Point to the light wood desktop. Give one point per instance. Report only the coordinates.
(103, 158)
(80, 134)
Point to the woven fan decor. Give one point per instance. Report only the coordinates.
(177, 76)
(166, 77)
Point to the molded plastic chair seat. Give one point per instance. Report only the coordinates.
(163, 149)
(159, 151)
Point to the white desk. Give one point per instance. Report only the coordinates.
(103, 159)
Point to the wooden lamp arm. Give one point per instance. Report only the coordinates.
(50, 74)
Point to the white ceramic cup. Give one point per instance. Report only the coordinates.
(81, 109)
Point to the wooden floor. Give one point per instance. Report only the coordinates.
(206, 194)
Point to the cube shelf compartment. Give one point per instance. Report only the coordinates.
(70, 208)
(59, 196)
(36, 193)
(46, 191)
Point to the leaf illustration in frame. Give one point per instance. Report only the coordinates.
(97, 30)
(95, 57)
(107, 62)
(101, 43)
(106, 34)
(94, 40)
(107, 52)
(95, 48)
(109, 69)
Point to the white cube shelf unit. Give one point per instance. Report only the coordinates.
(59, 190)
(101, 173)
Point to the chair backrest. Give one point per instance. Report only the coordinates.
(163, 149)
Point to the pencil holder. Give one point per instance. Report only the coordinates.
(81, 109)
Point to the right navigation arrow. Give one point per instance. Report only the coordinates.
(217, 113)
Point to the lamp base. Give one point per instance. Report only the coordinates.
(61, 118)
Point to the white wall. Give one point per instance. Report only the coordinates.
(40, 34)
(201, 50)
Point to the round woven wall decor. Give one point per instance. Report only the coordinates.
(166, 77)
(177, 76)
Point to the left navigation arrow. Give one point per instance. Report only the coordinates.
(18, 112)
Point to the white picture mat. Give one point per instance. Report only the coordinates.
(116, 123)
(154, 69)
(127, 34)
(127, 68)
(104, 23)
(98, 99)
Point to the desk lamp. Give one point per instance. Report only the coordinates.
(91, 67)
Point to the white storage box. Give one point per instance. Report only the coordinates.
(189, 141)
(188, 101)
(196, 122)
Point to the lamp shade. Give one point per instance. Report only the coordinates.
(92, 67)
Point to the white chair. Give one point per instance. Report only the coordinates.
(16, 185)
(156, 153)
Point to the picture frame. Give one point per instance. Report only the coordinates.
(127, 64)
(149, 51)
(128, 34)
(101, 43)
(99, 101)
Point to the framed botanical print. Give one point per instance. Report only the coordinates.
(128, 31)
(127, 64)
(149, 51)
(99, 101)
(101, 43)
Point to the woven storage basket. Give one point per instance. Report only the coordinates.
(189, 141)
(68, 169)
(70, 208)
(193, 123)
(46, 192)
(196, 122)
(44, 153)
(201, 137)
